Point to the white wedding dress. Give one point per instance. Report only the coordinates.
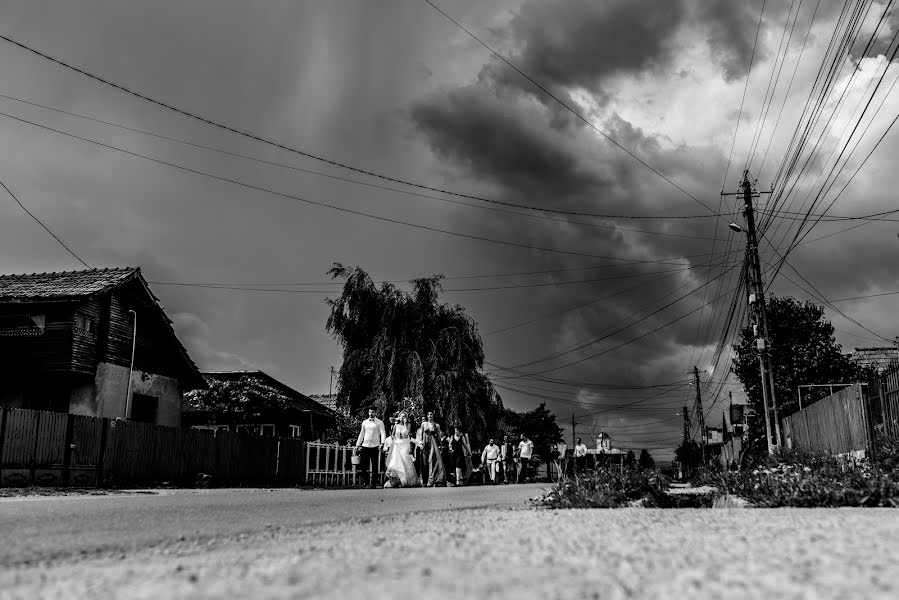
(400, 462)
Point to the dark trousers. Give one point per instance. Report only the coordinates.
(369, 465)
(525, 471)
(581, 462)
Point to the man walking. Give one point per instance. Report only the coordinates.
(525, 451)
(580, 456)
(368, 445)
(490, 461)
(507, 460)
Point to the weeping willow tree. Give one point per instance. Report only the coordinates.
(399, 345)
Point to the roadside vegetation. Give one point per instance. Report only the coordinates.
(792, 478)
(605, 488)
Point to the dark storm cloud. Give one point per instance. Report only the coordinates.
(494, 137)
(731, 30)
(576, 43)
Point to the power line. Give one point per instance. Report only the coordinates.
(41, 223)
(337, 208)
(533, 215)
(323, 159)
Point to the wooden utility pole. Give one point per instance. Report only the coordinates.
(759, 314)
(699, 411)
(573, 437)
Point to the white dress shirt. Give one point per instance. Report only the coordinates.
(373, 433)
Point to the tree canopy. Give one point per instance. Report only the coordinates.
(631, 459)
(646, 461)
(803, 350)
(242, 400)
(540, 427)
(401, 345)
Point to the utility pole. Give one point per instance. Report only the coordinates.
(700, 412)
(684, 463)
(759, 314)
(573, 437)
(331, 383)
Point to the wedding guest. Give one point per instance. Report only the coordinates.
(432, 467)
(490, 458)
(368, 444)
(580, 456)
(525, 451)
(560, 458)
(461, 462)
(507, 460)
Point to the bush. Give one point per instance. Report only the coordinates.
(606, 489)
(801, 479)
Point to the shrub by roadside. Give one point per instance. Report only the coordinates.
(800, 479)
(607, 489)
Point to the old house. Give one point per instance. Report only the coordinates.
(255, 402)
(94, 342)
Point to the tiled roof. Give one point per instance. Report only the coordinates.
(65, 284)
(298, 399)
(882, 359)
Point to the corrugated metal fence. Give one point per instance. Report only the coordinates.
(46, 448)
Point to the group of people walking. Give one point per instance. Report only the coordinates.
(428, 456)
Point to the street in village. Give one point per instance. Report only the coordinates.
(475, 542)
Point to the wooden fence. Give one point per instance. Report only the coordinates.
(837, 424)
(51, 449)
(884, 395)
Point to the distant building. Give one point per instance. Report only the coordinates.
(879, 359)
(292, 414)
(66, 343)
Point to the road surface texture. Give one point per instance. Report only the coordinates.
(488, 544)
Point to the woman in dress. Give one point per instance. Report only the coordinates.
(432, 468)
(460, 455)
(400, 462)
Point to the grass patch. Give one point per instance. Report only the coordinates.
(607, 489)
(801, 479)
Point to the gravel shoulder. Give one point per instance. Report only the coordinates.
(508, 553)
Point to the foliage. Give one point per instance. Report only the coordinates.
(607, 489)
(886, 452)
(244, 400)
(539, 425)
(399, 344)
(803, 350)
(800, 479)
(345, 431)
(689, 454)
(646, 460)
(631, 459)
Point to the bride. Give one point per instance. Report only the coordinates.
(400, 462)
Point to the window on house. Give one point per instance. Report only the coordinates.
(268, 430)
(222, 428)
(144, 408)
(295, 431)
(84, 324)
(245, 428)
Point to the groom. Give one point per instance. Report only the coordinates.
(368, 445)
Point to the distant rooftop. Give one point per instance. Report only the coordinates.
(882, 358)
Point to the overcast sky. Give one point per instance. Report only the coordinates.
(395, 88)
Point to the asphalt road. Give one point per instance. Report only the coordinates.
(36, 529)
(418, 544)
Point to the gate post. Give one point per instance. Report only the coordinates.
(67, 449)
(104, 429)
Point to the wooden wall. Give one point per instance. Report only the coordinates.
(52, 449)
